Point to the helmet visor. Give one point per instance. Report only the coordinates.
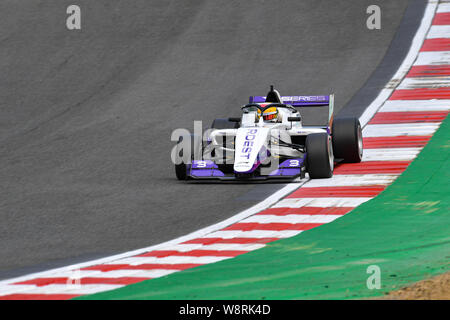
(270, 116)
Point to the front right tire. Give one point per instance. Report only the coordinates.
(182, 162)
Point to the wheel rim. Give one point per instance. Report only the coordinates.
(330, 155)
(360, 142)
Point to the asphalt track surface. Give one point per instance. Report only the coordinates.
(86, 116)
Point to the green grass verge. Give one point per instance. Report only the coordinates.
(405, 231)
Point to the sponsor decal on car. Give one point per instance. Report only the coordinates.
(248, 143)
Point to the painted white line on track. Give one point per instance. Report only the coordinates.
(229, 234)
(353, 180)
(320, 202)
(390, 154)
(443, 7)
(173, 259)
(74, 289)
(439, 32)
(400, 129)
(415, 105)
(60, 289)
(428, 82)
(16, 288)
(116, 273)
(430, 58)
(217, 246)
(292, 218)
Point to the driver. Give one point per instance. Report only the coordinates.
(270, 114)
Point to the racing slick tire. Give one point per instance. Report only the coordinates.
(319, 156)
(347, 139)
(182, 162)
(225, 124)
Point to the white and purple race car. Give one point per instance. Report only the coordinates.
(269, 141)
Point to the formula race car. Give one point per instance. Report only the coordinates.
(269, 142)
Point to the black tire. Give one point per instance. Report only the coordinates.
(319, 156)
(181, 171)
(224, 124)
(182, 164)
(347, 139)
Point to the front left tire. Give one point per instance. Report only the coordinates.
(319, 156)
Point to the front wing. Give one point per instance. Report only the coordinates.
(208, 170)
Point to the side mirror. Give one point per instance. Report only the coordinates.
(294, 119)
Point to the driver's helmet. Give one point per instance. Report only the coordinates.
(270, 114)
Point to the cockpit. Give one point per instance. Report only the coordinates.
(269, 112)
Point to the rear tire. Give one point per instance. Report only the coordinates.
(319, 157)
(347, 139)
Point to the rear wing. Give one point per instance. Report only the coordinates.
(304, 101)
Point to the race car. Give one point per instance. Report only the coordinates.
(269, 141)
